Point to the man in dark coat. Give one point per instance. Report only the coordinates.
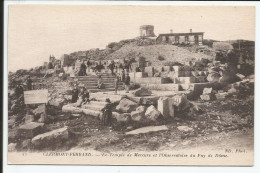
(29, 83)
(83, 68)
(112, 66)
(107, 114)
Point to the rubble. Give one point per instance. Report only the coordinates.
(138, 114)
(240, 76)
(124, 117)
(30, 130)
(181, 102)
(213, 77)
(12, 147)
(207, 94)
(29, 118)
(148, 129)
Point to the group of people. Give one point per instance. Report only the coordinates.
(97, 67)
(83, 67)
(80, 96)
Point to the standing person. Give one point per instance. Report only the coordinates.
(123, 76)
(127, 82)
(75, 94)
(18, 90)
(83, 68)
(112, 66)
(89, 65)
(100, 83)
(107, 113)
(116, 81)
(29, 83)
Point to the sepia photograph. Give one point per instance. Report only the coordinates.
(131, 84)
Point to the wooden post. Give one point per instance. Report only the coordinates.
(43, 115)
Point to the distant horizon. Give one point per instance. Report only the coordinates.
(37, 31)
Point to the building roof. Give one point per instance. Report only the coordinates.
(178, 34)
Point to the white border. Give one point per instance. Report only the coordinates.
(69, 169)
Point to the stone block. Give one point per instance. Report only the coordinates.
(126, 106)
(167, 68)
(207, 91)
(142, 92)
(125, 117)
(29, 118)
(152, 113)
(138, 114)
(150, 71)
(221, 95)
(206, 97)
(200, 79)
(55, 137)
(30, 130)
(166, 106)
(148, 129)
(186, 80)
(139, 74)
(162, 87)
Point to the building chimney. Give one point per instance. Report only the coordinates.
(190, 30)
(171, 31)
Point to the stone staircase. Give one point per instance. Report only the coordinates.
(90, 82)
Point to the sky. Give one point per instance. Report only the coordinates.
(37, 31)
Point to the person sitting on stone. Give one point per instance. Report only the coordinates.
(75, 94)
(85, 96)
(100, 83)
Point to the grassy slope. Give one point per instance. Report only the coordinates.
(151, 53)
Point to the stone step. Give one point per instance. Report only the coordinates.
(95, 84)
(104, 90)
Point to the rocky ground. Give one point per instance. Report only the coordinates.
(206, 124)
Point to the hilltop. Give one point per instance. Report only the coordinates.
(156, 53)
